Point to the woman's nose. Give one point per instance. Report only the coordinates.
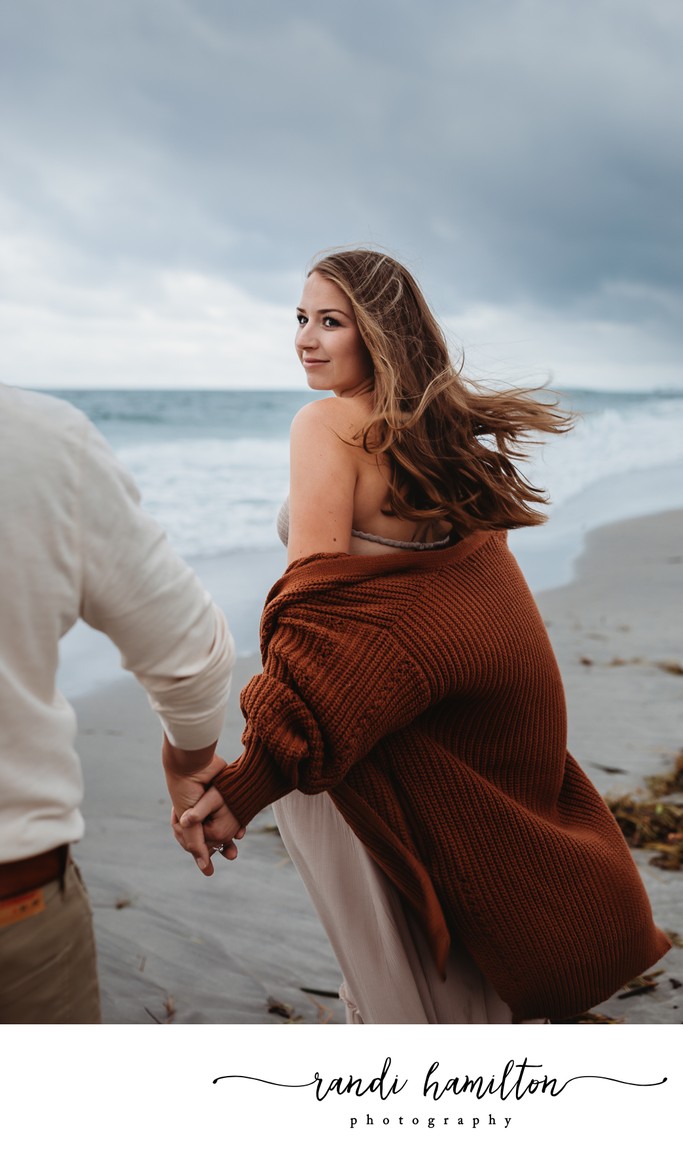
(305, 336)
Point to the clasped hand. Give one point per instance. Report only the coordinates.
(201, 821)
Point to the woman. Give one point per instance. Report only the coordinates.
(409, 724)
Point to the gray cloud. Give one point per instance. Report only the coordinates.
(516, 153)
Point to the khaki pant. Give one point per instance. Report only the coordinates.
(48, 966)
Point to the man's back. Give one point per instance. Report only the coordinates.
(76, 544)
(41, 450)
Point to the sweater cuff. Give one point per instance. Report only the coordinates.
(192, 736)
(251, 783)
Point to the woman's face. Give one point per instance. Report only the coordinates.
(328, 341)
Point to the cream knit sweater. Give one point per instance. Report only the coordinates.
(75, 543)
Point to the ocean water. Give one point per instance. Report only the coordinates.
(212, 467)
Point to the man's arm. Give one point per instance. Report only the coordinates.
(171, 635)
(139, 592)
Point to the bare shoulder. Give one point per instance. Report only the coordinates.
(334, 415)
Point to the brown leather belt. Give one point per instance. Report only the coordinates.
(28, 874)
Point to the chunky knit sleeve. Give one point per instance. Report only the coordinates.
(331, 688)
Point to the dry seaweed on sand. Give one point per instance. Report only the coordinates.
(651, 823)
(591, 1017)
(283, 1010)
(169, 1007)
(669, 783)
(325, 1014)
(655, 821)
(289, 1014)
(643, 984)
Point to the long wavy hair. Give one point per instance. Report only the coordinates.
(453, 445)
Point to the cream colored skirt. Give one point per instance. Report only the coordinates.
(388, 971)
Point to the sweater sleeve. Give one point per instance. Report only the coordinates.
(327, 695)
(140, 593)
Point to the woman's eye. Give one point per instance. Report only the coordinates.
(329, 321)
(300, 319)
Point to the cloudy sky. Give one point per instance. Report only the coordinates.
(169, 167)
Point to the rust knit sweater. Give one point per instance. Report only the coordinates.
(421, 691)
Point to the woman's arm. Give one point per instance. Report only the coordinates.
(323, 476)
(331, 688)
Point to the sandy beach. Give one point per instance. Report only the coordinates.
(245, 946)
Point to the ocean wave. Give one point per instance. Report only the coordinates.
(212, 495)
(214, 467)
(610, 442)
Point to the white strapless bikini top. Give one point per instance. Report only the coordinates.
(403, 545)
